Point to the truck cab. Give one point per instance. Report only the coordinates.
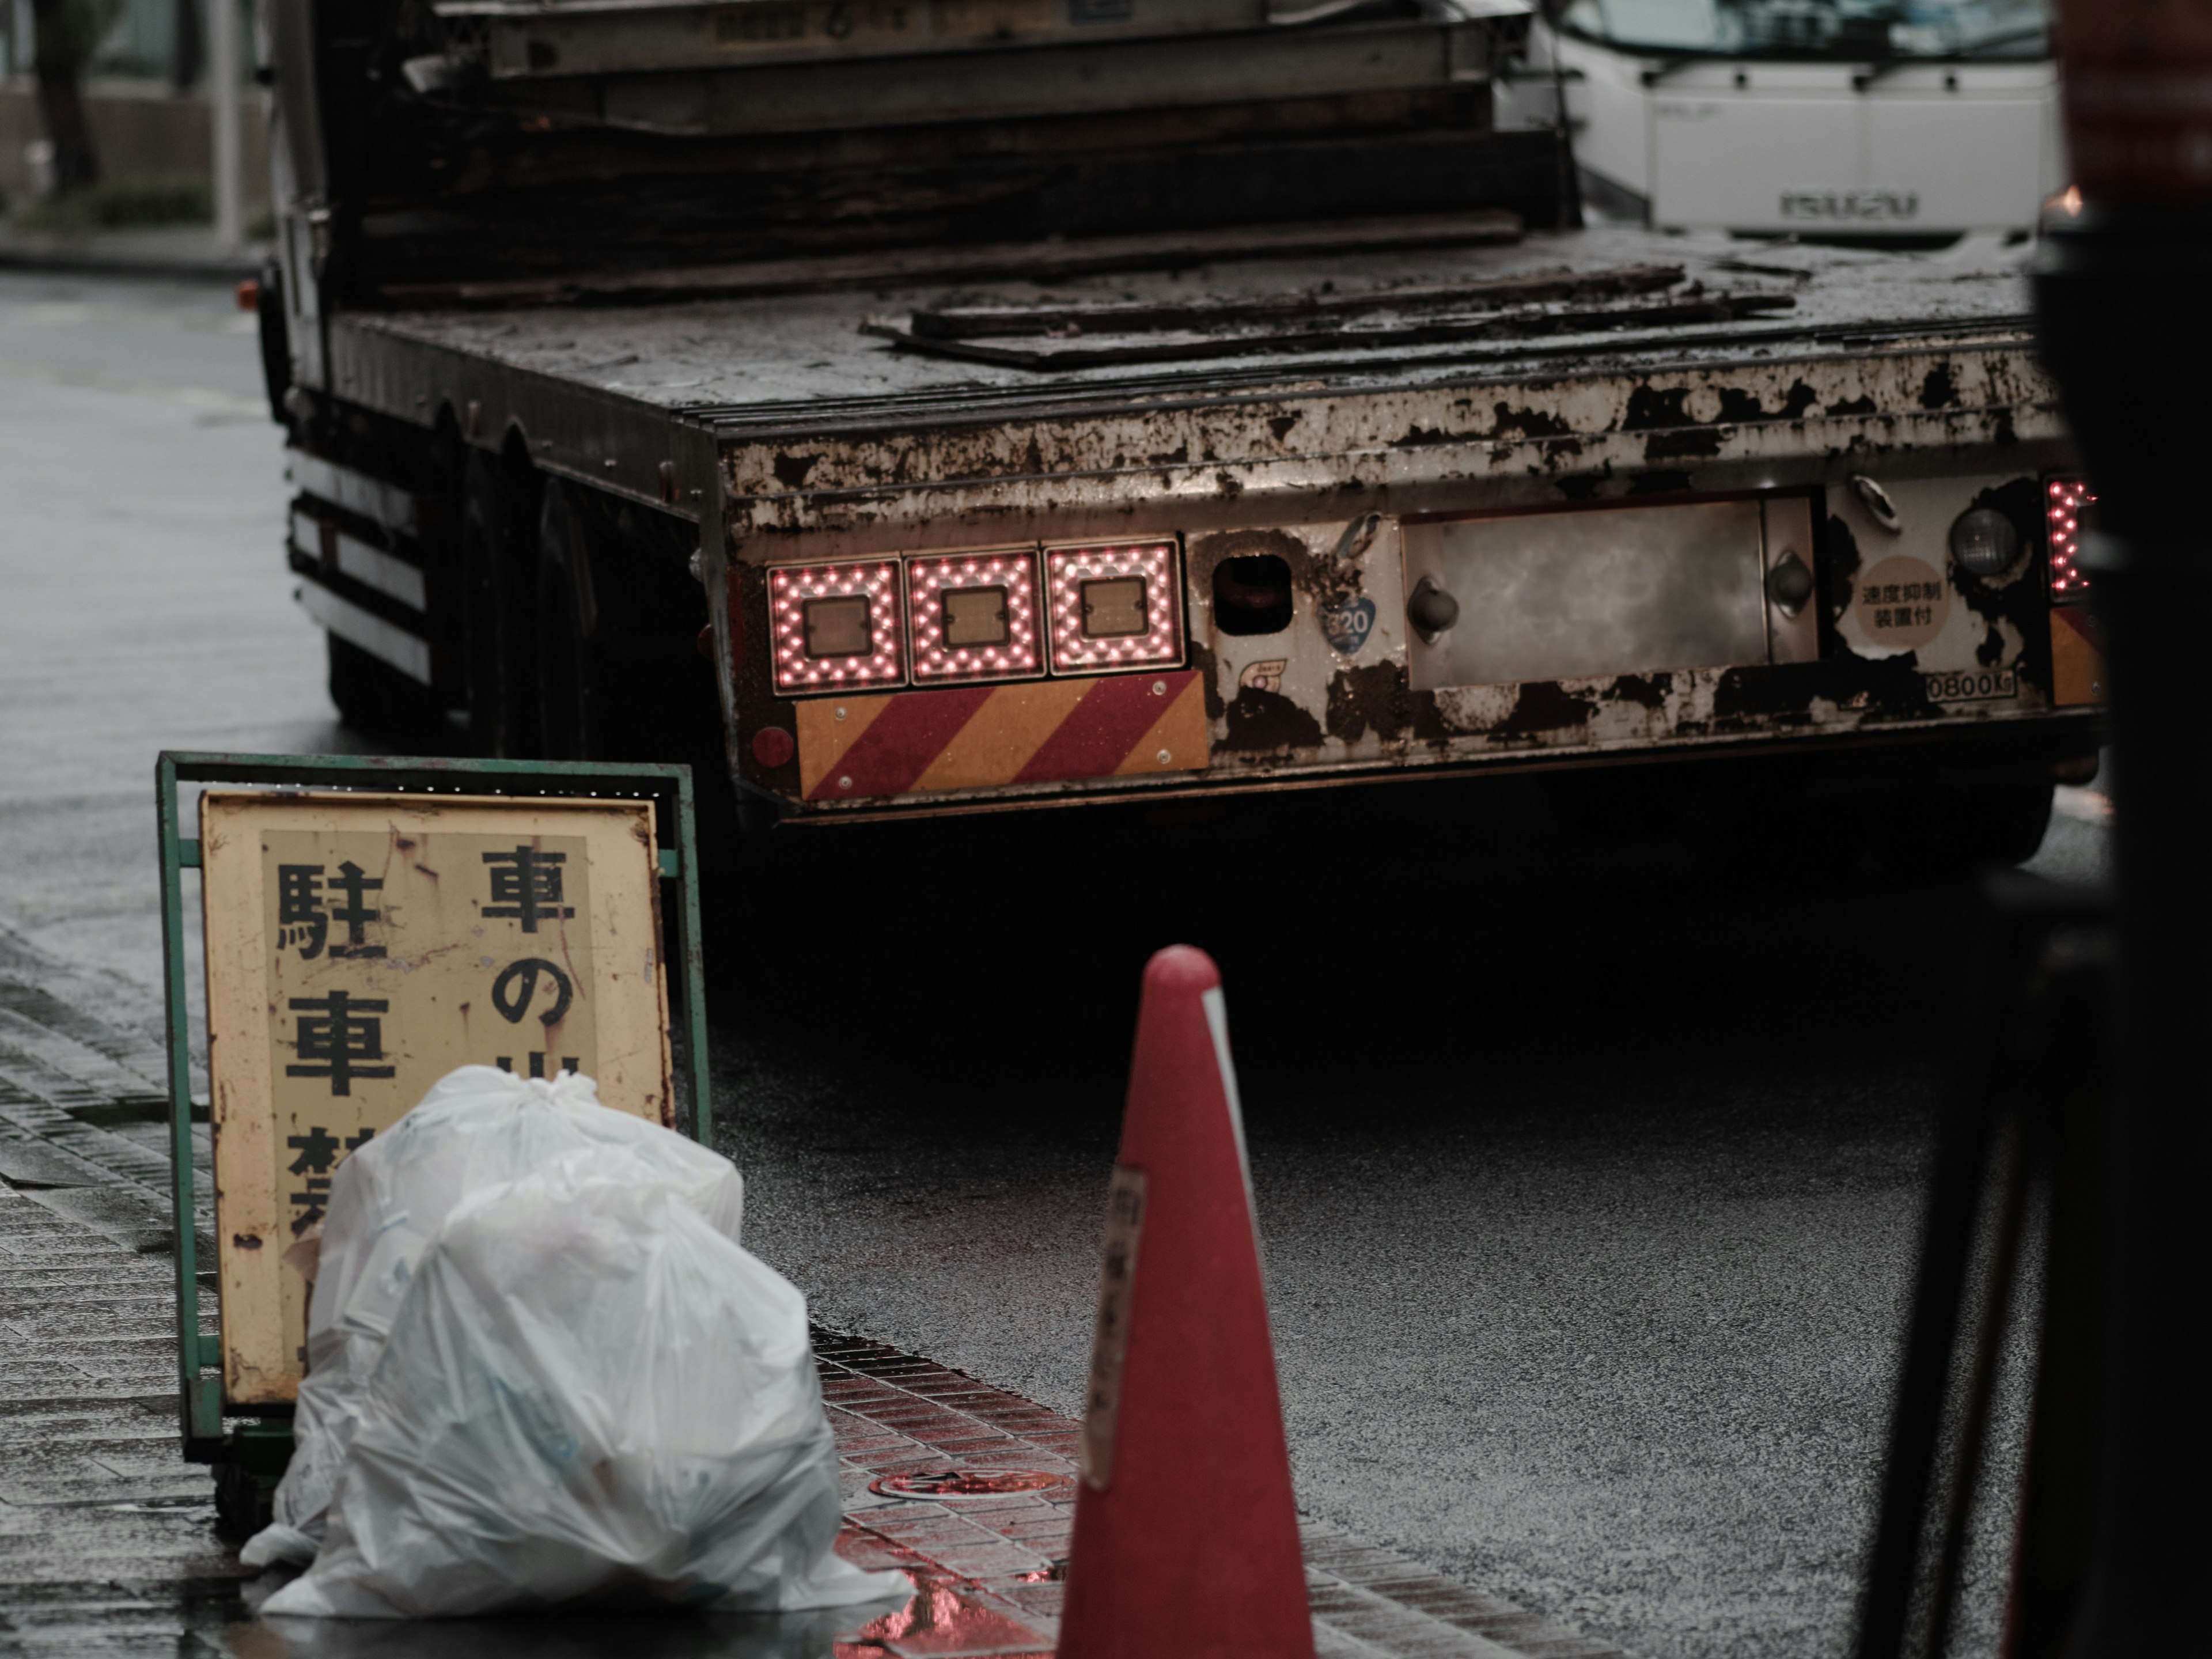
(1909, 124)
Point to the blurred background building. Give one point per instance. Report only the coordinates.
(1897, 123)
(146, 96)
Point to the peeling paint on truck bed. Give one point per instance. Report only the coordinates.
(826, 444)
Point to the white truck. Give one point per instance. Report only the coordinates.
(1876, 121)
(956, 406)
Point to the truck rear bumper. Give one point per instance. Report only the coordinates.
(1429, 645)
(2018, 747)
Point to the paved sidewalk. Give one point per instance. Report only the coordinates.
(172, 251)
(996, 1561)
(108, 1538)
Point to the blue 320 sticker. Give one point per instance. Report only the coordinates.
(1346, 625)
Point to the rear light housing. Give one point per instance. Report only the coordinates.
(835, 626)
(1118, 606)
(974, 617)
(2066, 503)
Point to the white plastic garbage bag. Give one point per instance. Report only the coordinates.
(588, 1391)
(476, 1127)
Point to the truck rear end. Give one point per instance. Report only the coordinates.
(1258, 426)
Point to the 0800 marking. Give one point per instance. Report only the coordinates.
(1972, 685)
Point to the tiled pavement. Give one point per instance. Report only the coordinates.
(107, 1540)
(999, 1559)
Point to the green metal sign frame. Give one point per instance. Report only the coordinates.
(263, 1445)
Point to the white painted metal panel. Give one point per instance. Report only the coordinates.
(1726, 157)
(356, 492)
(372, 567)
(1611, 115)
(1977, 156)
(380, 639)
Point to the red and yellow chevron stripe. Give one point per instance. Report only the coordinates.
(966, 737)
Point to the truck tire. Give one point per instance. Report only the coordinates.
(498, 607)
(575, 691)
(2002, 824)
(618, 616)
(1946, 827)
(378, 701)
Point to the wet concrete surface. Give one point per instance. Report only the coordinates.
(147, 605)
(1589, 1201)
(1589, 1177)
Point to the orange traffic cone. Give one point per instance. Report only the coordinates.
(1186, 1534)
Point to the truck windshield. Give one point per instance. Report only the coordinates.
(2015, 31)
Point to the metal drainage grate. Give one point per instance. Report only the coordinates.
(938, 1485)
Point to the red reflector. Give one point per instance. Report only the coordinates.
(249, 296)
(774, 746)
(2066, 505)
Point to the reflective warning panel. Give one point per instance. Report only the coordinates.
(360, 947)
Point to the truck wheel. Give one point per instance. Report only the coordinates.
(497, 605)
(574, 688)
(1949, 827)
(2002, 824)
(375, 698)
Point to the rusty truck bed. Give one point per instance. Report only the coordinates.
(1238, 404)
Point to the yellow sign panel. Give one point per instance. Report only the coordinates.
(360, 947)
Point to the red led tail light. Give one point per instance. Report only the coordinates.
(2066, 504)
(836, 625)
(974, 617)
(1118, 606)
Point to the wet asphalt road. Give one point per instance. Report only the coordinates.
(1589, 1175)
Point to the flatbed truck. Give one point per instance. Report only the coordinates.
(940, 407)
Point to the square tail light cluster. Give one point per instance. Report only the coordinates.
(835, 626)
(2066, 506)
(948, 619)
(974, 617)
(1117, 606)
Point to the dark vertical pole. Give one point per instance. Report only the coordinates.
(1570, 183)
(187, 54)
(2120, 299)
(60, 49)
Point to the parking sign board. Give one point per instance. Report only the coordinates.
(361, 945)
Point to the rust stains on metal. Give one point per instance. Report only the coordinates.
(2012, 603)
(1208, 550)
(997, 457)
(1877, 689)
(1839, 567)
(791, 470)
(1267, 722)
(1370, 699)
(1544, 707)
(1509, 421)
(1209, 681)
(1645, 691)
